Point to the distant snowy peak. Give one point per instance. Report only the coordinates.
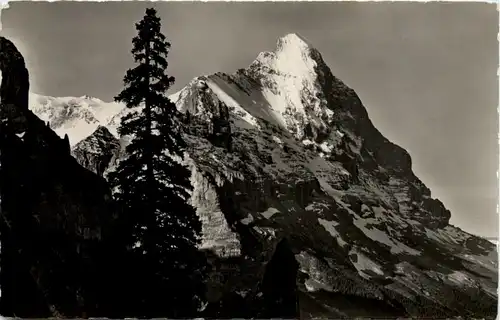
(76, 116)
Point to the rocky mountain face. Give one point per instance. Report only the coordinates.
(98, 151)
(55, 213)
(307, 209)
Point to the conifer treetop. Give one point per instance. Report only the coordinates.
(150, 51)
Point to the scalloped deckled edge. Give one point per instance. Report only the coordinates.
(4, 4)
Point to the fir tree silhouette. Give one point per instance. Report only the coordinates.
(160, 228)
(67, 144)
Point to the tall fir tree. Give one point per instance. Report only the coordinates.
(160, 228)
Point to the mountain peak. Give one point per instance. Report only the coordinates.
(294, 147)
(290, 82)
(102, 130)
(293, 41)
(293, 55)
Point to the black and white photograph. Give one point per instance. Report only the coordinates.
(249, 160)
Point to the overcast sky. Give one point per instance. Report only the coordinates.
(426, 72)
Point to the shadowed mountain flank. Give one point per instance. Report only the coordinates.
(55, 213)
(15, 82)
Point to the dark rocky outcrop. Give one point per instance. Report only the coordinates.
(15, 80)
(279, 287)
(55, 213)
(98, 151)
(205, 115)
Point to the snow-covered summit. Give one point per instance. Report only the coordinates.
(293, 39)
(290, 49)
(289, 79)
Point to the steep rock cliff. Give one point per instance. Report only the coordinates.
(54, 212)
(297, 189)
(98, 151)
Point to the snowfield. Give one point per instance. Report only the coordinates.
(76, 117)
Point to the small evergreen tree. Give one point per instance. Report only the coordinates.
(161, 229)
(67, 144)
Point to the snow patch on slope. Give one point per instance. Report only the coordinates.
(362, 263)
(247, 220)
(330, 227)
(380, 236)
(250, 106)
(460, 278)
(489, 262)
(311, 266)
(269, 213)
